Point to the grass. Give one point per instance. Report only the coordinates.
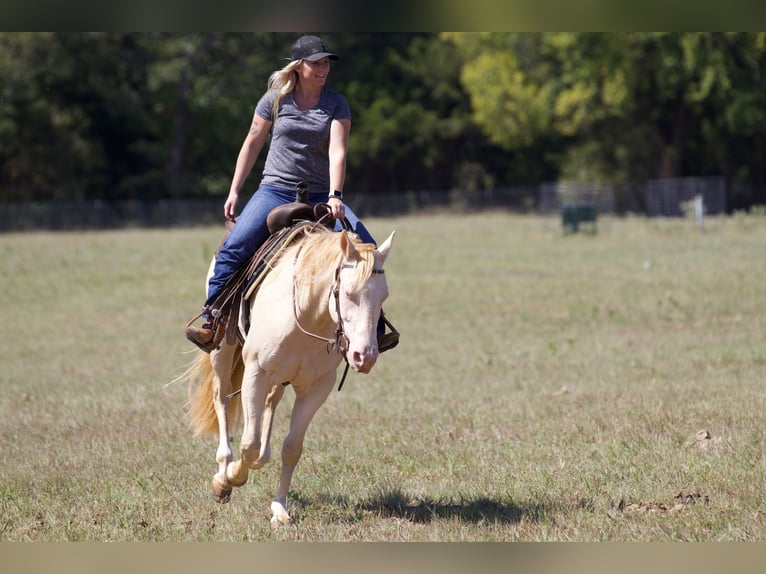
(547, 387)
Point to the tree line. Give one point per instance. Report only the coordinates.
(117, 116)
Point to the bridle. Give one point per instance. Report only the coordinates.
(340, 342)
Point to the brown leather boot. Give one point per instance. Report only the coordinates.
(201, 336)
(389, 340)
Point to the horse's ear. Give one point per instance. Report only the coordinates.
(385, 247)
(347, 246)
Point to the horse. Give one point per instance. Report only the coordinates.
(319, 304)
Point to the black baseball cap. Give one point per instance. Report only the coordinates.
(310, 48)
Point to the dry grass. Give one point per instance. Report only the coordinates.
(546, 388)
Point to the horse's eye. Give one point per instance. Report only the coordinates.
(352, 296)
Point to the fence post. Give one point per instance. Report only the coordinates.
(699, 211)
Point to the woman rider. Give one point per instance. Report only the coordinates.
(309, 126)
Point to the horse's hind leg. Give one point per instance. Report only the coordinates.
(304, 409)
(223, 362)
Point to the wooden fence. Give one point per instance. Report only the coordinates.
(662, 198)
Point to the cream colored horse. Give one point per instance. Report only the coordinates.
(328, 287)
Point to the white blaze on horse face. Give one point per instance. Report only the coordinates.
(360, 307)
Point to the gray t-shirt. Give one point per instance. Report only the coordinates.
(300, 140)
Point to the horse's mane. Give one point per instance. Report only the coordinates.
(318, 255)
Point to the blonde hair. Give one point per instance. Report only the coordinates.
(283, 82)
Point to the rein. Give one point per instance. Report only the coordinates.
(340, 342)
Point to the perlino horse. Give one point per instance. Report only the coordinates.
(319, 304)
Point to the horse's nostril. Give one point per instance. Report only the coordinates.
(361, 358)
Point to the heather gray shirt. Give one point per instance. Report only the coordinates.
(300, 140)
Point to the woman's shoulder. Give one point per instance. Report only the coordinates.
(336, 102)
(330, 94)
(265, 104)
(268, 97)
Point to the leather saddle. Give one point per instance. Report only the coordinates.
(289, 214)
(286, 223)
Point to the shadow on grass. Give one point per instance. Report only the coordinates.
(396, 504)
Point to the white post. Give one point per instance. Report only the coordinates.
(699, 211)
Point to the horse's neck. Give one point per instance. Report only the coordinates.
(312, 296)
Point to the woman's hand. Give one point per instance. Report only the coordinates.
(337, 207)
(230, 207)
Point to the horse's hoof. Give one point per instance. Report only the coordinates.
(221, 490)
(233, 481)
(279, 516)
(277, 521)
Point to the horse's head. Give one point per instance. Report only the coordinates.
(361, 290)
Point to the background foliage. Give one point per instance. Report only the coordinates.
(161, 115)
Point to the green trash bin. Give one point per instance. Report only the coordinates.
(575, 214)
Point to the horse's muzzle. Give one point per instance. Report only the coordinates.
(362, 360)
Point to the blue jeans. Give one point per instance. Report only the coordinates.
(251, 231)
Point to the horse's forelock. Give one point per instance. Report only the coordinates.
(363, 269)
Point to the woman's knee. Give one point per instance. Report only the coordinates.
(357, 226)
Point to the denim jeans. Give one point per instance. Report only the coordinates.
(251, 231)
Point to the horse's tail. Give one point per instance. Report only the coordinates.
(201, 412)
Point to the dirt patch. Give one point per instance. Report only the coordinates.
(678, 504)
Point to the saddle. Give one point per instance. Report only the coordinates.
(286, 223)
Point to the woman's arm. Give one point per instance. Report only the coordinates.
(251, 147)
(339, 130)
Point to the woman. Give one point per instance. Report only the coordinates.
(309, 126)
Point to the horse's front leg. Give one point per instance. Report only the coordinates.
(223, 361)
(305, 407)
(254, 392)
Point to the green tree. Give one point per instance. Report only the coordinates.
(155, 115)
(73, 118)
(204, 88)
(37, 128)
(626, 107)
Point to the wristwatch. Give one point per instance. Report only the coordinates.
(336, 193)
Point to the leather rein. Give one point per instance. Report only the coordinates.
(340, 342)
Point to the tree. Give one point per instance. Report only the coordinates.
(157, 115)
(626, 106)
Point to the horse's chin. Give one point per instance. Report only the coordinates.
(364, 369)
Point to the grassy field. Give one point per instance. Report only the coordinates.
(547, 387)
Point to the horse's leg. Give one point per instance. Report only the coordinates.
(272, 400)
(305, 407)
(223, 362)
(253, 394)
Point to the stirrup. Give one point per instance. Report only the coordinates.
(387, 341)
(215, 325)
